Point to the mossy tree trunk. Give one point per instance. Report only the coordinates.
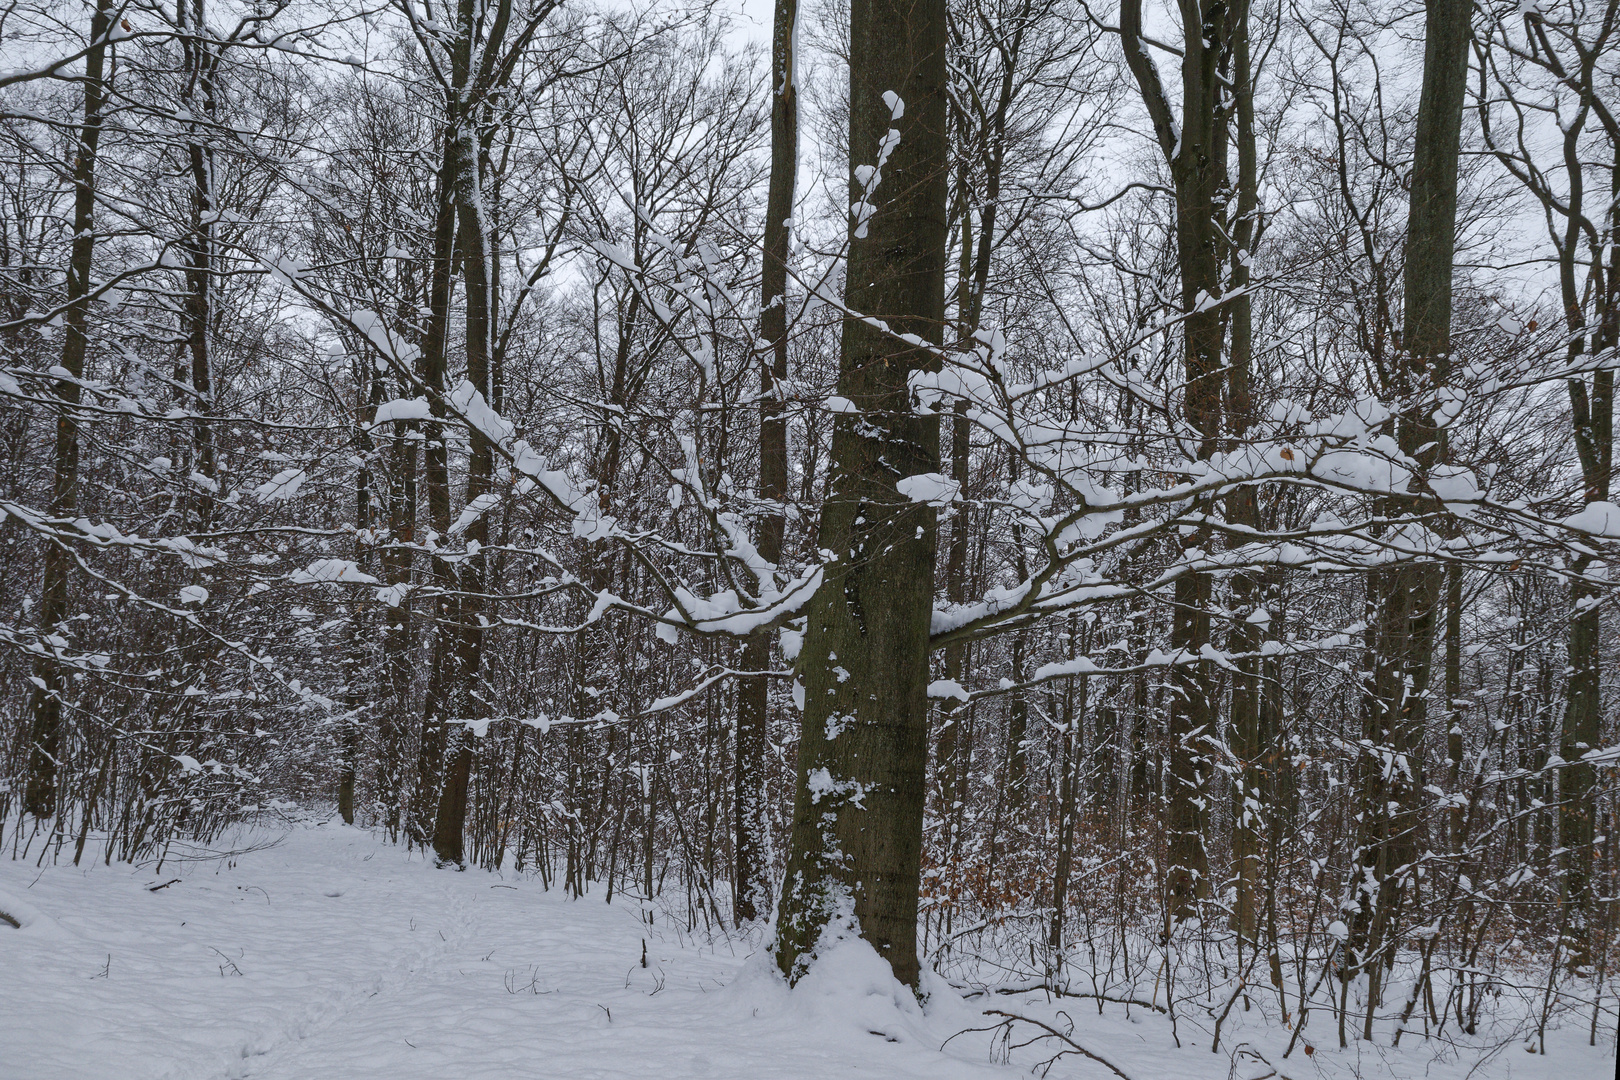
(854, 860)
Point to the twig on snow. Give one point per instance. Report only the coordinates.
(1047, 1032)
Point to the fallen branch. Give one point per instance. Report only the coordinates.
(1043, 988)
(1244, 1050)
(1053, 1033)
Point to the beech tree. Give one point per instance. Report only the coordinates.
(1407, 597)
(856, 845)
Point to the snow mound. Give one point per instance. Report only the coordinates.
(17, 913)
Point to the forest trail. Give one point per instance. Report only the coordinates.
(332, 955)
(325, 954)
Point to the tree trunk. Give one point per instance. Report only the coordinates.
(397, 635)
(1074, 715)
(1196, 151)
(198, 96)
(752, 880)
(1593, 415)
(1017, 704)
(436, 478)
(855, 856)
(477, 256)
(1408, 595)
(354, 659)
(45, 738)
(1249, 739)
(1454, 715)
(951, 713)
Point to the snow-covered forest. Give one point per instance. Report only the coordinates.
(1090, 523)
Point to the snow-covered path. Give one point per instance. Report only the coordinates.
(327, 955)
(332, 956)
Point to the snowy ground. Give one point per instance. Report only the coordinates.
(328, 954)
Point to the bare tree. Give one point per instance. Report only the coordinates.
(855, 854)
(40, 798)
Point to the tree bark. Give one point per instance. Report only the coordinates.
(198, 96)
(45, 736)
(465, 661)
(398, 637)
(1592, 411)
(354, 665)
(1196, 151)
(951, 713)
(855, 856)
(436, 479)
(1249, 739)
(1408, 596)
(1074, 717)
(752, 880)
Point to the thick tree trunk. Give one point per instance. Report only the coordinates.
(855, 855)
(752, 880)
(45, 735)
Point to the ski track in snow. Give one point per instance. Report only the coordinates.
(331, 955)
